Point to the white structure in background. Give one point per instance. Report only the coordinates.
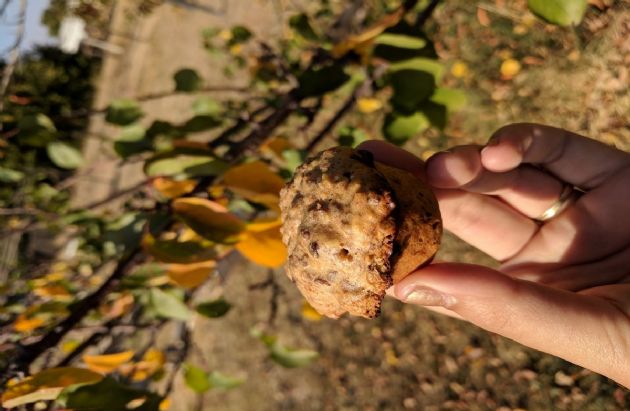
(72, 34)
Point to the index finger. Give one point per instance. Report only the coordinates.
(573, 158)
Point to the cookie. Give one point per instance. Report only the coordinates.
(353, 227)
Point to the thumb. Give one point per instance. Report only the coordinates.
(583, 329)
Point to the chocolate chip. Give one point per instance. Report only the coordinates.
(318, 205)
(364, 157)
(314, 247)
(320, 280)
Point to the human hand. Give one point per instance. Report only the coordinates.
(563, 286)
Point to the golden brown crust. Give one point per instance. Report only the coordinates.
(341, 218)
(419, 221)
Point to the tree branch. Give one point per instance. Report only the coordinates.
(28, 353)
(426, 13)
(13, 54)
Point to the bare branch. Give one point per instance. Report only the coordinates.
(13, 54)
(426, 13)
(345, 108)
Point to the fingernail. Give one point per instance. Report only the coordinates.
(429, 296)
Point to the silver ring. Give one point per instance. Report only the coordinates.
(568, 196)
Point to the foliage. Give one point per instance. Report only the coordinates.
(211, 191)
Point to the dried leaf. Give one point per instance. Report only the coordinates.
(190, 275)
(262, 243)
(46, 385)
(107, 363)
(209, 219)
(25, 324)
(368, 105)
(170, 188)
(309, 313)
(510, 68)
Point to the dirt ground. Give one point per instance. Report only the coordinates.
(409, 358)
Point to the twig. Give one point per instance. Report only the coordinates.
(114, 196)
(208, 89)
(345, 108)
(91, 340)
(182, 354)
(241, 122)
(4, 6)
(276, 291)
(13, 54)
(28, 353)
(257, 136)
(426, 13)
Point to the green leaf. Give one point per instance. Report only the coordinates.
(315, 82)
(401, 41)
(450, 98)
(560, 12)
(64, 155)
(201, 123)
(36, 130)
(302, 26)
(398, 128)
(293, 158)
(421, 64)
(125, 232)
(187, 80)
(10, 176)
(220, 380)
(398, 48)
(240, 34)
(214, 309)
(132, 141)
(351, 136)
(123, 112)
(292, 358)
(179, 252)
(108, 395)
(142, 274)
(164, 128)
(196, 378)
(411, 87)
(167, 306)
(207, 106)
(170, 164)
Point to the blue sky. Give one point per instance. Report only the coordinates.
(34, 33)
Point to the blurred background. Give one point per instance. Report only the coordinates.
(143, 145)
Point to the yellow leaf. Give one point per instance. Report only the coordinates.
(152, 362)
(208, 219)
(254, 177)
(262, 243)
(53, 291)
(459, 69)
(24, 324)
(510, 68)
(276, 146)
(46, 385)
(107, 363)
(170, 188)
(165, 404)
(310, 313)
(190, 275)
(120, 306)
(226, 34)
(367, 36)
(368, 104)
(55, 276)
(69, 345)
(236, 49)
(390, 357)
